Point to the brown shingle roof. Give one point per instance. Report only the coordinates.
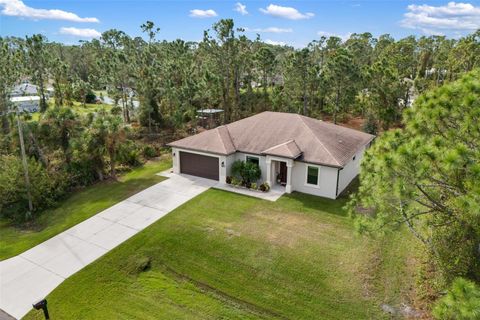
(287, 149)
(281, 134)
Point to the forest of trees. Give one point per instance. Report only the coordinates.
(363, 75)
(373, 79)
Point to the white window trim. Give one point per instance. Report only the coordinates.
(317, 185)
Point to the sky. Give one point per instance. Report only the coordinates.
(294, 23)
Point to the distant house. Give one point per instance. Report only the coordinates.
(28, 89)
(24, 89)
(25, 104)
(294, 152)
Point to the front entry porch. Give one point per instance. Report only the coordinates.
(279, 173)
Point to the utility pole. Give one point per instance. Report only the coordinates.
(24, 160)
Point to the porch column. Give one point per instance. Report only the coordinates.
(268, 161)
(288, 187)
(176, 160)
(223, 169)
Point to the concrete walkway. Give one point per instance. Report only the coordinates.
(32, 275)
(273, 195)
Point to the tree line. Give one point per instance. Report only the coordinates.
(375, 78)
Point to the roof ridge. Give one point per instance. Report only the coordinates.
(280, 144)
(229, 137)
(313, 134)
(295, 143)
(290, 145)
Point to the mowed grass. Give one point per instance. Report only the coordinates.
(77, 207)
(227, 256)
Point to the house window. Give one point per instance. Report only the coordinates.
(253, 160)
(312, 175)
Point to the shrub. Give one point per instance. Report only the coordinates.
(116, 110)
(248, 172)
(90, 97)
(237, 168)
(81, 172)
(461, 302)
(228, 179)
(236, 182)
(254, 186)
(129, 154)
(264, 187)
(149, 152)
(45, 188)
(370, 125)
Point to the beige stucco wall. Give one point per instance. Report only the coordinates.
(350, 171)
(327, 185)
(327, 180)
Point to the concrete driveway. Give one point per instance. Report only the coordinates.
(32, 275)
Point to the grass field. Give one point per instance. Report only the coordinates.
(77, 108)
(226, 256)
(78, 207)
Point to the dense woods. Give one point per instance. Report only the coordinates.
(424, 175)
(375, 78)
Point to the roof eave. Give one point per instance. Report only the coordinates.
(172, 145)
(361, 146)
(282, 156)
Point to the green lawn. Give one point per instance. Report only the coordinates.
(78, 207)
(226, 256)
(77, 108)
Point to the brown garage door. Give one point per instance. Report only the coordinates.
(199, 165)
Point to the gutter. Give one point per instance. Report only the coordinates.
(199, 150)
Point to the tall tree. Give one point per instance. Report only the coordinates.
(222, 49)
(265, 58)
(427, 175)
(58, 127)
(115, 63)
(342, 77)
(10, 71)
(37, 62)
(148, 75)
(107, 132)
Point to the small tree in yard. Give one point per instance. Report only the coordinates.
(249, 172)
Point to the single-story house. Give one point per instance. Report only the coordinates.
(28, 89)
(24, 89)
(294, 152)
(25, 104)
